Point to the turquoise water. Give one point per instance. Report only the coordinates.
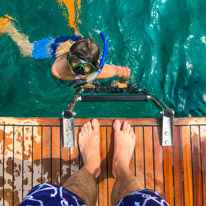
(162, 41)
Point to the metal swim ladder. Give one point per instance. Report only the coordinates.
(131, 93)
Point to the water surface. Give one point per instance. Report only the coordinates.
(162, 41)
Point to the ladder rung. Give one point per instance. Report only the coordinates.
(109, 98)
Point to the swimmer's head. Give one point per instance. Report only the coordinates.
(87, 49)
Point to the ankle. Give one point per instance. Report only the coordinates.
(121, 169)
(94, 171)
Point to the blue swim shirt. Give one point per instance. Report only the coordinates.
(46, 48)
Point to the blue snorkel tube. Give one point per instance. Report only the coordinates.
(80, 82)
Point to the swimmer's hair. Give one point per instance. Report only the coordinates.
(86, 48)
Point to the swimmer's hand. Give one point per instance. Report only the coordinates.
(124, 73)
(110, 70)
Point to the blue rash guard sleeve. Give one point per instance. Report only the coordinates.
(46, 48)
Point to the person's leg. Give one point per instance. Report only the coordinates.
(7, 27)
(80, 188)
(126, 182)
(83, 183)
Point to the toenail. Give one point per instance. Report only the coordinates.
(95, 121)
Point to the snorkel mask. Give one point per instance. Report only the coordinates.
(80, 82)
(81, 65)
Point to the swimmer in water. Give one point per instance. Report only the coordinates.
(70, 52)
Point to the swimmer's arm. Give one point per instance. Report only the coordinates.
(57, 75)
(109, 71)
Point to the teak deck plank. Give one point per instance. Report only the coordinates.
(27, 163)
(2, 142)
(103, 176)
(158, 164)
(187, 166)
(149, 164)
(8, 166)
(168, 175)
(18, 143)
(196, 162)
(31, 152)
(36, 155)
(110, 151)
(46, 151)
(56, 174)
(178, 184)
(65, 166)
(139, 154)
(203, 160)
(74, 154)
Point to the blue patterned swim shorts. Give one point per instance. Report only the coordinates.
(48, 194)
(143, 197)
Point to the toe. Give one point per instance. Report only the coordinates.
(82, 132)
(84, 128)
(128, 128)
(9, 17)
(95, 124)
(117, 125)
(131, 131)
(125, 126)
(89, 126)
(80, 138)
(133, 136)
(3, 24)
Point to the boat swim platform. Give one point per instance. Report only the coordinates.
(31, 152)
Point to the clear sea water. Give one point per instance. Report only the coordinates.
(162, 41)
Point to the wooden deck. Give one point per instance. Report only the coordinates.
(31, 152)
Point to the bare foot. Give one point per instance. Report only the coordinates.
(7, 27)
(89, 139)
(4, 22)
(124, 142)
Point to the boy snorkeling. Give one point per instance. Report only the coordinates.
(76, 57)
